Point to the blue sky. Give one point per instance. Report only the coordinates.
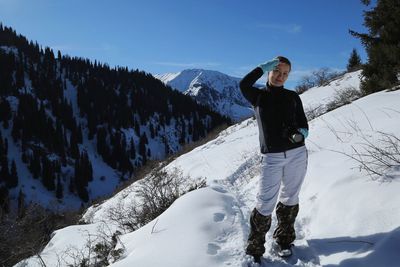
(160, 36)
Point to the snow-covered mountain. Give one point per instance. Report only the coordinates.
(219, 91)
(347, 218)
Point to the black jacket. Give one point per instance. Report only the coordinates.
(279, 113)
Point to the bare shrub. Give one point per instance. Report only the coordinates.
(153, 196)
(324, 76)
(27, 234)
(343, 97)
(314, 112)
(99, 251)
(305, 83)
(150, 165)
(379, 158)
(319, 77)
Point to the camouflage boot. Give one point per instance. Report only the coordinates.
(259, 226)
(285, 234)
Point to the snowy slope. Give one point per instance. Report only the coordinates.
(318, 97)
(212, 88)
(346, 217)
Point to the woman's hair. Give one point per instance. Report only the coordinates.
(284, 60)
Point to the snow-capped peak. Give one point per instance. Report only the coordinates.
(184, 79)
(217, 90)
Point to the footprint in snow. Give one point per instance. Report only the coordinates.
(219, 189)
(219, 217)
(213, 249)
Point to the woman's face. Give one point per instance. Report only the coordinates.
(279, 75)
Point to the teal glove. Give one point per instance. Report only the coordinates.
(269, 65)
(303, 131)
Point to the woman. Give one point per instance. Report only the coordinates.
(282, 129)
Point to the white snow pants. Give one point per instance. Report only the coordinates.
(282, 173)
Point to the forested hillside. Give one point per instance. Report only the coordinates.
(62, 116)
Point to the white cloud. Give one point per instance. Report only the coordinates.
(289, 28)
(189, 65)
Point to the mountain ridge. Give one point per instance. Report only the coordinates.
(212, 88)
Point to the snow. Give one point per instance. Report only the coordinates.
(9, 49)
(67, 241)
(182, 80)
(347, 218)
(320, 96)
(184, 234)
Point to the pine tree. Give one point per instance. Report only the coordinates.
(5, 112)
(152, 132)
(4, 172)
(71, 186)
(137, 127)
(21, 204)
(182, 137)
(101, 138)
(59, 189)
(382, 45)
(35, 164)
(48, 174)
(132, 150)
(354, 61)
(143, 141)
(167, 149)
(86, 165)
(83, 174)
(16, 128)
(58, 139)
(19, 74)
(79, 136)
(13, 178)
(5, 146)
(7, 65)
(2, 150)
(4, 201)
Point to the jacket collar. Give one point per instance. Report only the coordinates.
(273, 88)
